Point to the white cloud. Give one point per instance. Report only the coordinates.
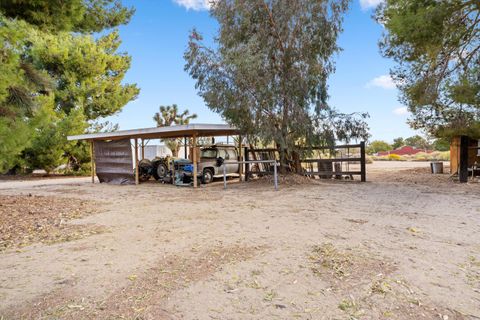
(385, 82)
(401, 111)
(369, 4)
(194, 4)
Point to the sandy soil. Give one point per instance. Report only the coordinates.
(405, 245)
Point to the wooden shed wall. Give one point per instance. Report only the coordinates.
(455, 153)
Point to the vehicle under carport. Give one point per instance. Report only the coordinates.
(111, 152)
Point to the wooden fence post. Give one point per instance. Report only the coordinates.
(240, 158)
(463, 166)
(363, 167)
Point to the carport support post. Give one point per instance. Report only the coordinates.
(143, 149)
(136, 161)
(185, 148)
(92, 161)
(194, 158)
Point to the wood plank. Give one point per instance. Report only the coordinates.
(346, 146)
(331, 160)
(92, 161)
(463, 166)
(345, 173)
(240, 158)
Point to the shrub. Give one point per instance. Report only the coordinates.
(395, 157)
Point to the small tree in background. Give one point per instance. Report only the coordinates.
(418, 142)
(168, 116)
(268, 73)
(398, 143)
(441, 144)
(378, 146)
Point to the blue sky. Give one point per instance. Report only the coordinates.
(156, 38)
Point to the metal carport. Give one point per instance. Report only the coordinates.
(181, 131)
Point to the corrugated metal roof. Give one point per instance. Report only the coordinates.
(201, 130)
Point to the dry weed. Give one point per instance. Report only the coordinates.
(144, 295)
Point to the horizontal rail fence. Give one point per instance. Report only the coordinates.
(326, 162)
(273, 163)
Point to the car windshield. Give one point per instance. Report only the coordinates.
(209, 153)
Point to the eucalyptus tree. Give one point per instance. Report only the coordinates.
(268, 72)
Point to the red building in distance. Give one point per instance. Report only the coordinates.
(404, 151)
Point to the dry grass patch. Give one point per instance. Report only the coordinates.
(346, 268)
(284, 179)
(28, 219)
(471, 268)
(144, 296)
(366, 288)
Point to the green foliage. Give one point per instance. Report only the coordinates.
(394, 157)
(168, 116)
(441, 144)
(14, 137)
(436, 45)
(421, 156)
(49, 142)
(398, 143)
(377, 146)
(88, 71)
(71, 15)
(418, 142)
(55, 77)
(268, 73)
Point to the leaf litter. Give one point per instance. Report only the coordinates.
(29, 219)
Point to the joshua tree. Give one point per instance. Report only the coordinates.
(170, 116)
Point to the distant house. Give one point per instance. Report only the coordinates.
(404, 151)
(153, 151)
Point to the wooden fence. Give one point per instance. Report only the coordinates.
(330, 162)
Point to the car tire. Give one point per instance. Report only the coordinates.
(207, 176)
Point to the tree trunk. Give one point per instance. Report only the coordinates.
(283, 158)
(175, 152)
(296, 162)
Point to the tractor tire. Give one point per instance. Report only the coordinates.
(144, 170)
(161, 171)
(207, 176)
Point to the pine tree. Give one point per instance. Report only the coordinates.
(55, 78)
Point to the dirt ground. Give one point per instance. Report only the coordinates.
(405, 245)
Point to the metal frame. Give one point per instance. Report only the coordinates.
(362, 159)
(182, 131)
(188, 130)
